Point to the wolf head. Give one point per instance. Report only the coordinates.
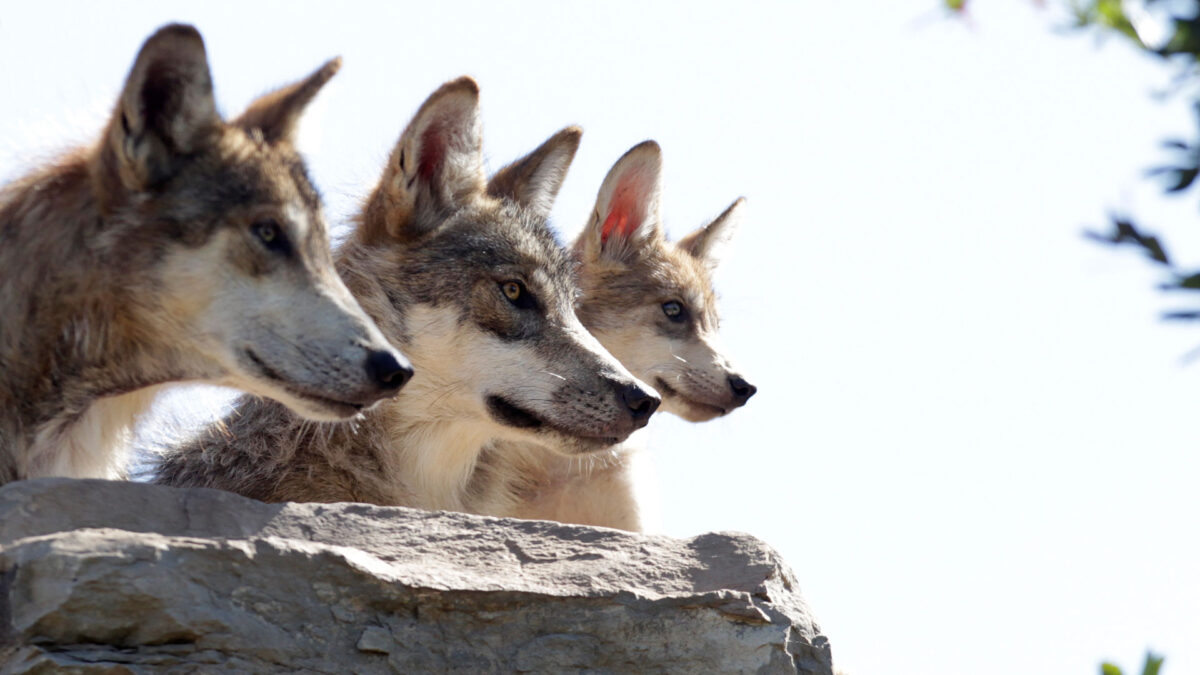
(466, 276)
(239, 280)
(651, 302)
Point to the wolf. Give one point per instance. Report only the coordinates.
(651, 304)
(466, 277)
(179, 247)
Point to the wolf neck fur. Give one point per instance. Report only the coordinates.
(432, 438)
(435, 457)
(69, 343)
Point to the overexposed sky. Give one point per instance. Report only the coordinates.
(973, 440)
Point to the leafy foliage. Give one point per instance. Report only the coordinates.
(1153, 664)
(1179, 44)
(1107, 14)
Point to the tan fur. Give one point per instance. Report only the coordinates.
(625, 280)
(430, 259)
(134, 263)
(523, 480)
(70, 450)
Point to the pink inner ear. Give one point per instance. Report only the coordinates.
(626, 211)
(433, 150)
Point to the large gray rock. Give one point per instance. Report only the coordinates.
(104, 577)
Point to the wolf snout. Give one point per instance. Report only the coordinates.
(640, 403)
(386, 370)
(742, 390)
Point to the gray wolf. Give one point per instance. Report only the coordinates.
(178, 247)
(466, 277)
(651, 303)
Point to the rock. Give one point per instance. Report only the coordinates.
(108, 577)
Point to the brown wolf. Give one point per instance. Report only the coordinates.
(466, 277)
(651, 304)
(179, 247)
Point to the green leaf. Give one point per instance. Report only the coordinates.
(1153, 663)
(1109, 669)
(1126, 233)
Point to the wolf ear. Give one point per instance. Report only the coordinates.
(277, 114)
(436, 166)
(534, 180)
(708, 243)
(166, 110)
(626, 216)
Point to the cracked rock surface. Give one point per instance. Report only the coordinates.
(110, 577)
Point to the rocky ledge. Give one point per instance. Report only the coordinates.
(106, 577)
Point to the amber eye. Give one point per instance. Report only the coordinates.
(518, 296)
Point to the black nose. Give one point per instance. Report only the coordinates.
(385, 370)
(641, 404)
(742, 390)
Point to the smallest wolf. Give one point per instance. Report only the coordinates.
(179, 247)
(650, 302)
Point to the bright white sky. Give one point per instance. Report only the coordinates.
(973, 440)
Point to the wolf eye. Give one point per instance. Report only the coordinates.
(517, 294)
(270, 234)
(673, 310)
